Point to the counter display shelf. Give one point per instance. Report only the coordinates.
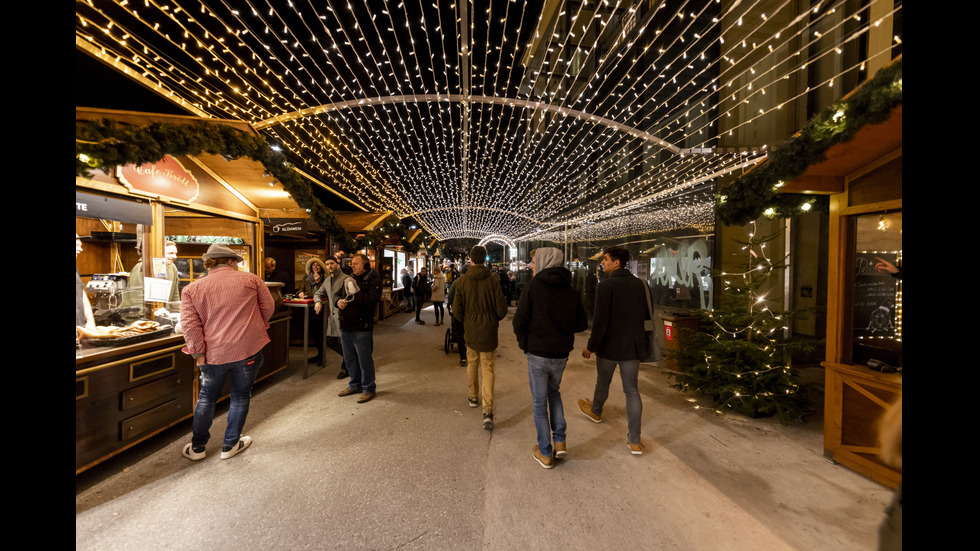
(125, 395)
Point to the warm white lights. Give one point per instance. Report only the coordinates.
(482, 118)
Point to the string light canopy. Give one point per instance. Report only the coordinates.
(491, 117)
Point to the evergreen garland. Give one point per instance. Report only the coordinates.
(751, 195)
(391, 231)
(107, 144)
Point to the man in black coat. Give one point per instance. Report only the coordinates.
(618, 337)
(548, 315)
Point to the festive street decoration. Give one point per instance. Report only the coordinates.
(756, 193)
(106, 144)
(740, 356)
(480, 117)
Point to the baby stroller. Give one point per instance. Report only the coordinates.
(450, 339)
(454, 338)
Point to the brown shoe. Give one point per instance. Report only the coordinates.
(635, 449)
(543, 460)
(586, 407)
(364, 397)
(347, 392)
(560, 452)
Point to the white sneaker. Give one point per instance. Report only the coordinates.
(243, 442)
(189, 453)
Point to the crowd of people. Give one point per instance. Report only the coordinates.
(549, 312)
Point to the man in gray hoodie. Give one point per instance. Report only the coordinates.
(548, 315)
(479, 304)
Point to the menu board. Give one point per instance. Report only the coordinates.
(874, 296)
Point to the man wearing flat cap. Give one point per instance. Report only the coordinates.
(224, 318)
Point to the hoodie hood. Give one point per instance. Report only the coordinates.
(478, 271)
(547, 257)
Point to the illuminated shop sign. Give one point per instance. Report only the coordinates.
(166, 178)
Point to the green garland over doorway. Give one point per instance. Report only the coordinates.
(755, 193)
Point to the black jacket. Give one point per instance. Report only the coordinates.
(421, 287)
(358, 315)
(548, 314)
(617, 324)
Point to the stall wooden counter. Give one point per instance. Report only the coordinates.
(126, 394)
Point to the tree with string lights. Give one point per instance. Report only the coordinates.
(740, 356)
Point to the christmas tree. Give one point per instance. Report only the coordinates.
(740, 356)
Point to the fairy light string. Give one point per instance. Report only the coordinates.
(448, 107)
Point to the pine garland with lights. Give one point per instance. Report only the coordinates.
(106, 144)
(756, 192)
(740, 355)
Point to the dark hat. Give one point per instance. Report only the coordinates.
(217, 250)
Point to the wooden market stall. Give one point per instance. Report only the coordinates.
(127, 392)
(864, 308)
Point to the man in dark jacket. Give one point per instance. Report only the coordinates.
(423, 293)
(407, 291)
(480, 305)
(618, 337)
(357, 305)
(548, 315)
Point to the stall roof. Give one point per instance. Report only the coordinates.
(361, 222)
(870, 143)
(244, 177)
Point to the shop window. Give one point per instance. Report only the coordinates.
(876, 325)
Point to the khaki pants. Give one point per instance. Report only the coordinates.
(477, 363)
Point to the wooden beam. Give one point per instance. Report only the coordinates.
(818, 185)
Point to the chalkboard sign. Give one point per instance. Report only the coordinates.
(874, 296)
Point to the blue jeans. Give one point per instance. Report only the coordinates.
(358, 357)
(544, 375)
(213, 377)
(629, 370)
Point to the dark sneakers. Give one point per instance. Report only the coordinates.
(473, 402)
(488, 421)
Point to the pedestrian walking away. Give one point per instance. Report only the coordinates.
(548, 315)
(479, 304)
(618, 338)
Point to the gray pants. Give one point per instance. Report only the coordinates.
(629, 371)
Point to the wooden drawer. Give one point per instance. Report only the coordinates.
(151, 419)
(150, 392)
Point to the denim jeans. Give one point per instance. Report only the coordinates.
(544, 375)
(213, 377)
(629, 370)
(358, 357)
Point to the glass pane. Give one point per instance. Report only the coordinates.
(877, 290)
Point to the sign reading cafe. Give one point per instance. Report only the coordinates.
(166, 178)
